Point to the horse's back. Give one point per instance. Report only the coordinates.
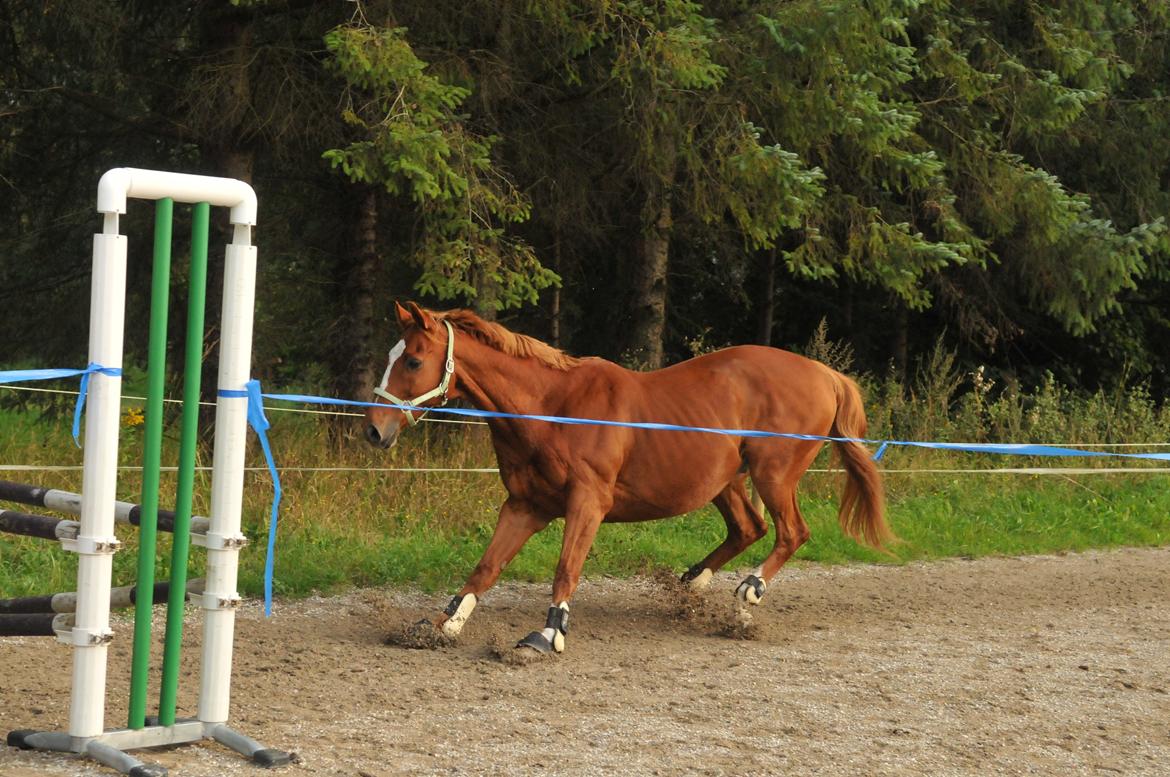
(731, 388)
(744, 361)
(753, 384)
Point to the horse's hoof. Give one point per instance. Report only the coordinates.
(697, 577)
(751, 590)
(537, 642)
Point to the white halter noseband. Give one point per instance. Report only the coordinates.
(438, 391)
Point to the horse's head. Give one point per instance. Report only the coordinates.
(418, 374)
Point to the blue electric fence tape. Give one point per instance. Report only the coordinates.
(260, 424)
(23, 376)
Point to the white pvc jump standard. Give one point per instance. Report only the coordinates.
(95, 542)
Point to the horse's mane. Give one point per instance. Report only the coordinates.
(505, 341)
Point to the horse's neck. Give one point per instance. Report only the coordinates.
(495, 381)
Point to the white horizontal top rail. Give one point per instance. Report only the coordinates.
(123, 182)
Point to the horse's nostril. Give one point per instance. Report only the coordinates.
(372, 435)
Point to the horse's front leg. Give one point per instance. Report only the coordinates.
(517, 522)
(581, 523)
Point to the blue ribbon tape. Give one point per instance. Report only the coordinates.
(1017, 449)
(260, 424)
(23, 376)
(82, 391)
(258, 421)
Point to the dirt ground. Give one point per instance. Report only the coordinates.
(1042, 665)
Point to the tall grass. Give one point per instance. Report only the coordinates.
(943, 403)
(341, 529)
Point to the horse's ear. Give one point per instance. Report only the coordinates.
(402, 315)
(412, 314)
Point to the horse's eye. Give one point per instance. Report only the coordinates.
(412, 363)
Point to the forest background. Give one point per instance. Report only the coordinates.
(637, 180)
(962, 203)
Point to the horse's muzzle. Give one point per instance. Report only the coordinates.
(374, 437)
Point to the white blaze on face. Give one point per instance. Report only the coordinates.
(395, 354)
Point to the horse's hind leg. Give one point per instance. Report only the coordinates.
(775, 478)
(745, 525)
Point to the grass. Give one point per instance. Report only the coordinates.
(340, 530)
(345, 529)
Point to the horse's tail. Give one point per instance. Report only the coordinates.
(863, 504)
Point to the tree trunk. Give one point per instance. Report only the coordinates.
(356, 346)
(555, 312)
(487, 293)
(901, 342)
(360, 335)
(768, 306)
(649, 324)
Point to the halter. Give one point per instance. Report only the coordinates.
(438, 391)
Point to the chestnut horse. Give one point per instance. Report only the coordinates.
(590, 474)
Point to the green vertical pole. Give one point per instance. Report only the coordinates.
(192, 369)
(151, 457)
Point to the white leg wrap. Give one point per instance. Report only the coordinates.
(702, 580)
(453, 625)
(747, 592)
(552, 637)
(557, 638)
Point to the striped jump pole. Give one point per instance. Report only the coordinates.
(66, 602)
(15, 522)
(94, 541)
(33, 624)
(53, 614)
